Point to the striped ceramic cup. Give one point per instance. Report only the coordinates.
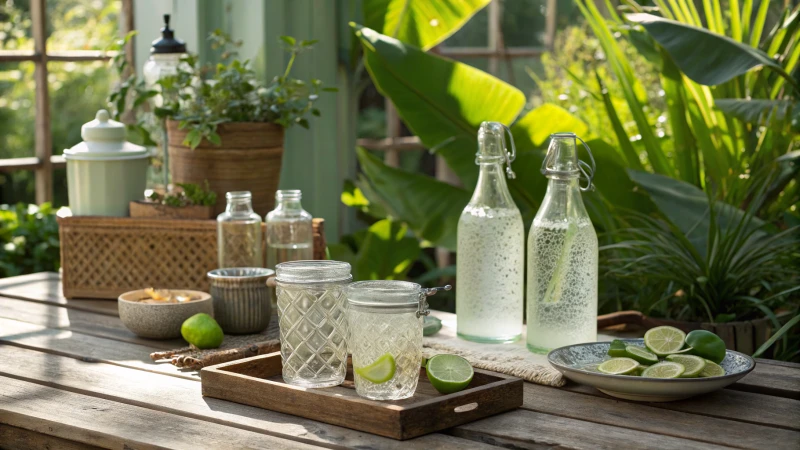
(241, 299)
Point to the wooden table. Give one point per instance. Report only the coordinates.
(72, 376)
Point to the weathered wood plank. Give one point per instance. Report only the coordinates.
(183, 397)
(533, 430)
(725, 404)
(642, 417)
(77, 320)
(45, 287)
(775, 362)
(85, 347)
(771, 379)
(14, 438)
(104, 423)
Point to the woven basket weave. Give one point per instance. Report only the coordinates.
(103, 257)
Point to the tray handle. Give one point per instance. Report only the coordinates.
(466, 408)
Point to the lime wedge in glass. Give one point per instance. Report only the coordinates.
(449, 373)
(641, 355)
(665, 340)
(618, 366)
(380, 371)
(665, 369)
(616, 349)
(693, 365)
(712, 369)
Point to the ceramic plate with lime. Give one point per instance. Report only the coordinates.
(666, 365)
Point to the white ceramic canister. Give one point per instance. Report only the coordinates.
(105, 172)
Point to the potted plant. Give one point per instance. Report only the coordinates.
(224, 126)
(737, 278)
(189, 201)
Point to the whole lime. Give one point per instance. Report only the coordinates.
(707, 345)
(202, 331)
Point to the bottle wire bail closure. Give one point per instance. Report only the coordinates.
(510, 157)
(587, 170)
(423, 309)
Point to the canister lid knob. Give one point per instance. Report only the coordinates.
(103, 129)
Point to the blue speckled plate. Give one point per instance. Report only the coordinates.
(579, 364)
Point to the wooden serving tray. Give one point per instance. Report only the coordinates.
(257, 381)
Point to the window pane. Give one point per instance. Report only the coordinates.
(69, 20)
(77, 91)
(523, 23)
(15, 25)
(16, 110)
(475, 33)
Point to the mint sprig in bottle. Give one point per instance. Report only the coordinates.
(562, 254)
(491, 245)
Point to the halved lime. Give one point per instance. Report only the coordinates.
(665, 369)
(618, 366)
(694, 365)
(712, 369)
(380, 371)
(449, 373)
(664, 340)
(616, 349)
(641, 355)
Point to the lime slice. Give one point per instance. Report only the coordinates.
(665, 369)
(616, 349)
(618, 366)
(449, 373)
(694, 365)
(641, 355)
(712, 369)
(664, 341)
(380, 371)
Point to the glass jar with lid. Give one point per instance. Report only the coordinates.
(239, 234)
(385, 322)
(312, 309)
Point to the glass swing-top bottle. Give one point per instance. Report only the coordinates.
(491, 245)
(562, 254)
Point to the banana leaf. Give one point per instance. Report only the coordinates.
(442, 101)
(421, 23)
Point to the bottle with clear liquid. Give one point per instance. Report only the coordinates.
(239, 237)
(491, 245)
(562, 254)
(289, 232)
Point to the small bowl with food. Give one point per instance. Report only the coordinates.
(159, 313)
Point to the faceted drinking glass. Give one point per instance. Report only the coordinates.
(312, 310)
(385, 319)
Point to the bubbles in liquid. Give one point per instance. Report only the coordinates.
(562, 284)
(490, 274)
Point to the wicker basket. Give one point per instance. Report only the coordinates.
(103, 257)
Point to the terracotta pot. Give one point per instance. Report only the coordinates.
(745, 337)
(249, 159)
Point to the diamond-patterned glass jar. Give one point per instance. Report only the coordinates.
(312, 310)
(385, 318)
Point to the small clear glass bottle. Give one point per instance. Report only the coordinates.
(312, 312)
(239, 235)
(289, 232)
(385, 318)
(562, 254)
(491, 245)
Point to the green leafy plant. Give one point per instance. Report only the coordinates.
(29, 239)
(188, 195)
(203, 97)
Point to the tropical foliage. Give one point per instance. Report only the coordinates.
(29, 239)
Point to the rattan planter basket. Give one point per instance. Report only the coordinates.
(103, 257)
(249, 159)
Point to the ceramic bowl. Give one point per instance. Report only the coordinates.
(578, 363)
(160, 321)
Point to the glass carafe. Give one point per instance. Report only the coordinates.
(289, 232)
(239, 236)
(562, 254)
(491, 245)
